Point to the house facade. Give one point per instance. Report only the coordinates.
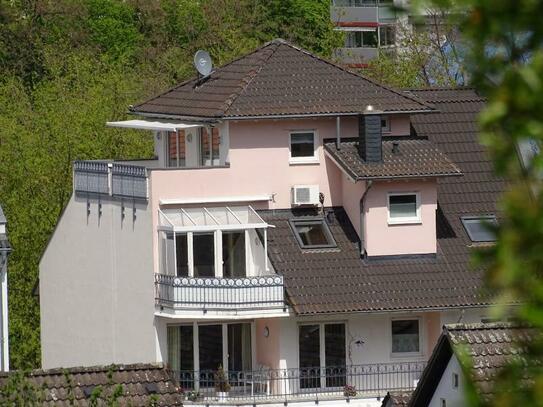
(5, 250)
(301, 228)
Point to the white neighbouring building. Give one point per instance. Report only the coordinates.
(304, 228)
(5, 250)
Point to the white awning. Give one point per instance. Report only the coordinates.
(210, 219)
(158, 125)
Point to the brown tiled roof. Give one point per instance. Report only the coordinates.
(413, 158)
(141, 384)
(397, 399)
(340, 281)
(490, 346)
(278, 79)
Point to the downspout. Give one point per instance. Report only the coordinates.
(338, 132)
(369, 184)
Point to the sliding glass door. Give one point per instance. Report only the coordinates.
(310, 361)
(217, 345)
(322, 355)
(334, 354)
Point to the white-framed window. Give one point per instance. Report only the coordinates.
(443, 403)
(406, 336)
(455, 380)
(303, 147)
(385, 124)
(403, 207)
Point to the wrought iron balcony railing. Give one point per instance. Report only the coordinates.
(194, 293)
(285, 385)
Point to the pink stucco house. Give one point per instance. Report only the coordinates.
(302, 227)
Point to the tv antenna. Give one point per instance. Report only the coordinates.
(202, 63)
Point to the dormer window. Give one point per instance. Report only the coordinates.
(479, 228)
(312, 233)
(303, 147)
(404, 208)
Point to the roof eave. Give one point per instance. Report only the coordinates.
(184, 118)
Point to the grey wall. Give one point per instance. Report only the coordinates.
(97, 287)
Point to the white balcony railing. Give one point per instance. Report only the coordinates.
(193, 293)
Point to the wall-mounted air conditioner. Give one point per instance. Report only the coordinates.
(305, 195)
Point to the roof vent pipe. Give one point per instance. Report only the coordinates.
(338, 132)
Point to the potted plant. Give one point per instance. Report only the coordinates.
(349, 391)
(222, 386)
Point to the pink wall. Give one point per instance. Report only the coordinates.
(351, 195)
(267, 349)
(433, 330)
(400, 125)
(383, 239)
(259, 165)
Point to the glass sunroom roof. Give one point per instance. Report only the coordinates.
(213, 218)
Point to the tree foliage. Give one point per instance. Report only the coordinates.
(68, 66)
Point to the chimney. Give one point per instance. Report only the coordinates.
(369, 136)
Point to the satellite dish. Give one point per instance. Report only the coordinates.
(202, 62)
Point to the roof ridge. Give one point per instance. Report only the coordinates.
(97, 368)
(248, 78)
(398, 92)
(480, 326)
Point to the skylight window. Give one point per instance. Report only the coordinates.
(312, 233)
(479, 228)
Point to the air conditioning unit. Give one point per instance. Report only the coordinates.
(305, 195)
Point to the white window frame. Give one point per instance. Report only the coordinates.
(304, 160)
(386, 128)
(455, 380)
(407, 220)
(421, 340)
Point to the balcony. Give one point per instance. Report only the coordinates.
(304, 384)
(241, 296)
(110, 179)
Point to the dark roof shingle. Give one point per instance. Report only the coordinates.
(278, 79)
(414, 158)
